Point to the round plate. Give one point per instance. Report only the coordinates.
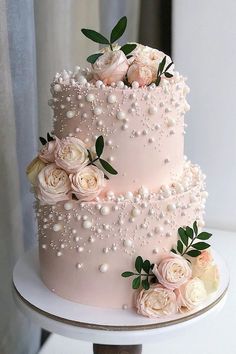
(53, 312)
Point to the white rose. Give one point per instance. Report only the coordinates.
(33, 170)
(211, 278)
(156, 302)
(87, 183)
(191, 294)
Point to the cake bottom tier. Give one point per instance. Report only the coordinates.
(84, 247)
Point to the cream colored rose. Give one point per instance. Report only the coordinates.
(53, 185)
(110, 67)
(211, 278)
(33, 170)
(201, 263)
(172, 271)
(71, 154)
(156, 302)
(87, 183)
(47, 153)
(191, 294)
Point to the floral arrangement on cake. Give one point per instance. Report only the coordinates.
(180, 281)
(131, 64)
(65, 169)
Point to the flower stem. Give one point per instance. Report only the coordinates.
(187, 248)
(92, 162)
(111, 46)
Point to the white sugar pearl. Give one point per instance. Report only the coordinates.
(152, 110)
(80, 249)
(57, 227)
(98, 83)
(127, 243)
(105, 250)
(151, 140)
(59, 254)
(82, 80)
(77, 239)
(120, 84)
(149, 234)
(44, 246)
(124, 307)
(129, 195)
(70, 114)
(111, 99)
(105, 210)
(87, 224)
(97, 111)
(110, 194)
(79, 265)
(143, 191)
(57, 88)
(90, 97)
(68, 206)
(103, 268)
(158, 229)
(136, 212)
(205, 194)
(125, 126)
(155, 250)
(62, 245)
(135, 85)
(170, 122)
(171, 207)
(120, 115)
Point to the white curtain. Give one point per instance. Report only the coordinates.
(37, 39)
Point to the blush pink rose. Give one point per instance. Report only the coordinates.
(110, 67)
(201, 263)
(173, 271)
(156, 302)
(87, 183)
(47, 153)
(141, 73)
(191, 294)
(53, 185)
(71, 154)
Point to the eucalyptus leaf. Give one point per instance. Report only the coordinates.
(95, 36)
(136, 282)
(42, 140)
(195, 228)
(119, 29)
(99, 145)
(201, 246)
(146, 266)
(180, 246)
(128, 48)
(193, 253)
(162, 65)
(139, 264)
(189, 232)
(168, 75)
(127, 274)
(204, 236)
(183, 236)
(145, 284)
(92, 58)
(108, 167)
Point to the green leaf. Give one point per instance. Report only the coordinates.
(162, 65)
(183, 236)
(195, 228)
(204, 236)
(119, 29)
(173, 250)
(145, 284)
(99, 145)
(128, 48)
(180, 246)
(108, 167)
(106, 177)
(42, 140)
(201, 246)
(127, 274)
(92, 58)
(89, 156)
(158, 80)
(146, 266)
(168, 75)
(139, 264)
(49, 137)
(136, 282)
(193, 253)
(95, 36)
(189, 232)
(168, 66)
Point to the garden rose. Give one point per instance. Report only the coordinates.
(47, 153)
(71, 154)
(211, 278)
(191, 294)
(156, 302)
(172, 271)
(201, 263)
(87, 183)
(110, 67)
(53, 185)
(33, 170)
(141, 73)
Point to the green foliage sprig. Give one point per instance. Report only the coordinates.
(163, 71)
(44, 141)
(141, 279)
(186, 245)
(99, 147)
(116, 33)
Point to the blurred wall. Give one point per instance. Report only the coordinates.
(204, 50)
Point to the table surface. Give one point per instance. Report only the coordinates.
(211, 335)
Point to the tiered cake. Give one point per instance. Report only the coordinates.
(87, 241)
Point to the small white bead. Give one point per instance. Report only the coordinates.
(127, 243)
(44, 246)
(125, 126)
(152, 110)
(105, 210)
(105, 250)
(57, 88)
(57, 227)
(171, 207)
(124, 307)
(68, 206)
(135, 85)
(90, 97)
(59, 254)
(79, 265)
(80, 249)
(120, 115)
(151, 140)
(170, 122)
(111, 99)
(158, 229)
(70, 114)
(103, 268)
(87, 224)
(120, 85)
(143, 191)
(82, 80)
(136, 212)
(155, 250)
(129, 195)
(97, 111)
(98, 83)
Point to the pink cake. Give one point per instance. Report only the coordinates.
(87, 242)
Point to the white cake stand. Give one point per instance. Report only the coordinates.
(114, 331)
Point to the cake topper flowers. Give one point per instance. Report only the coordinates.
(65, 169)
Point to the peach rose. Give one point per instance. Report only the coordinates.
(33, 170)
(156, 302)
(201, 263)
(141, 73)
(47, 153)
(191, 294)
(110, 67)
(87, 183)
(71, 154)
(172, 271)
(53, 185)
(211, 278)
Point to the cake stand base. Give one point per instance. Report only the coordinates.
(117, 349)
